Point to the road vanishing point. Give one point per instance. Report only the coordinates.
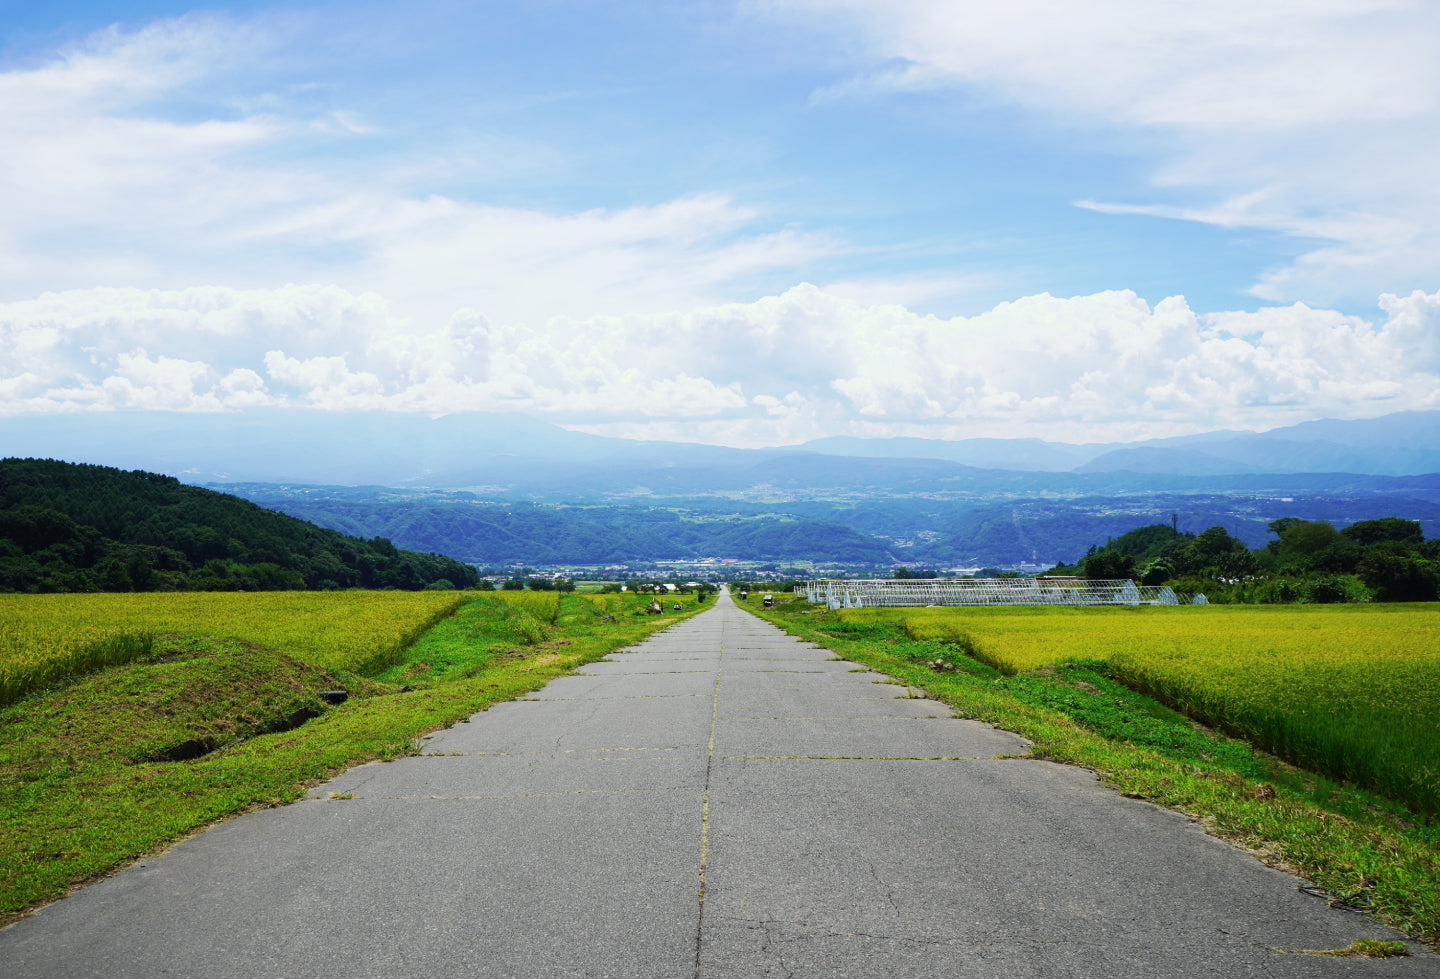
(722, 800)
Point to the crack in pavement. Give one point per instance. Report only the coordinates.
(705, 803)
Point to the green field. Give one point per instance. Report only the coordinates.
(89, 776)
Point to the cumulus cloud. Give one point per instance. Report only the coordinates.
(1315, 120)
(797, 365)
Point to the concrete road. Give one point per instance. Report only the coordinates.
(720, 801)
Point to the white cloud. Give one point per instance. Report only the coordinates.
(105, 181)
(527, 265)
(1222, 64)
(911, 290)
(1315, 119)
(786, 368)
(94, 173)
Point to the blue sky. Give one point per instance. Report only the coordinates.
(751, 223)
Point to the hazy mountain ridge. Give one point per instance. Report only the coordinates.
(524, 457)
(919, 500)
(1400, 444)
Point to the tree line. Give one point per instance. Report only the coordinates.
(1387, 559)
(67, 527)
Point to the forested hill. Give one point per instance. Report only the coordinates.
(69, 527)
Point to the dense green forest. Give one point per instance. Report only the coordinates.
(70, 528)
(1386, 559)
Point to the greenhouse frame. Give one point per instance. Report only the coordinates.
(863, 593)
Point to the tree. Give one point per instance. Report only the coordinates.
(1393, 529)
(1157, 572)
(1209, 544)
(1237, 565)
(1300, 539)
(1399, 577)
(1109, 566)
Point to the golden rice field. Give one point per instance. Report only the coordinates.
(44, 638)
(1352, 691)
(543, 606)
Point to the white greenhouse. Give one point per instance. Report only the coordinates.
(862, 593)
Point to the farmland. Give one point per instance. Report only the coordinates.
(108, 685)
(1352, 692)
(46, 637)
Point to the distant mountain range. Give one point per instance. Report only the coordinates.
(1400, 444)
(871, 501)
(518, 456)
(876, 533)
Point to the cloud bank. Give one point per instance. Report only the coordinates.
(177, 154)
(788, 367)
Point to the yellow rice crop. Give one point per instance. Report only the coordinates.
(543, 606)
(46, 637)
(1349, 690)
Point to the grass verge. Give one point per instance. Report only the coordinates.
(1356, 848)
(81, 793)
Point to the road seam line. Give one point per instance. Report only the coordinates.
(705, 801)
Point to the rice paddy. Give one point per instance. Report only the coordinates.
(1352, 692)
(45, 638)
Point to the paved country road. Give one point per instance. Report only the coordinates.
(722, 801)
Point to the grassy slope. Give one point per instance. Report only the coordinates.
(1363, 851)
(80, 796)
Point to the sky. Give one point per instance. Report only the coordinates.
(745, 223)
